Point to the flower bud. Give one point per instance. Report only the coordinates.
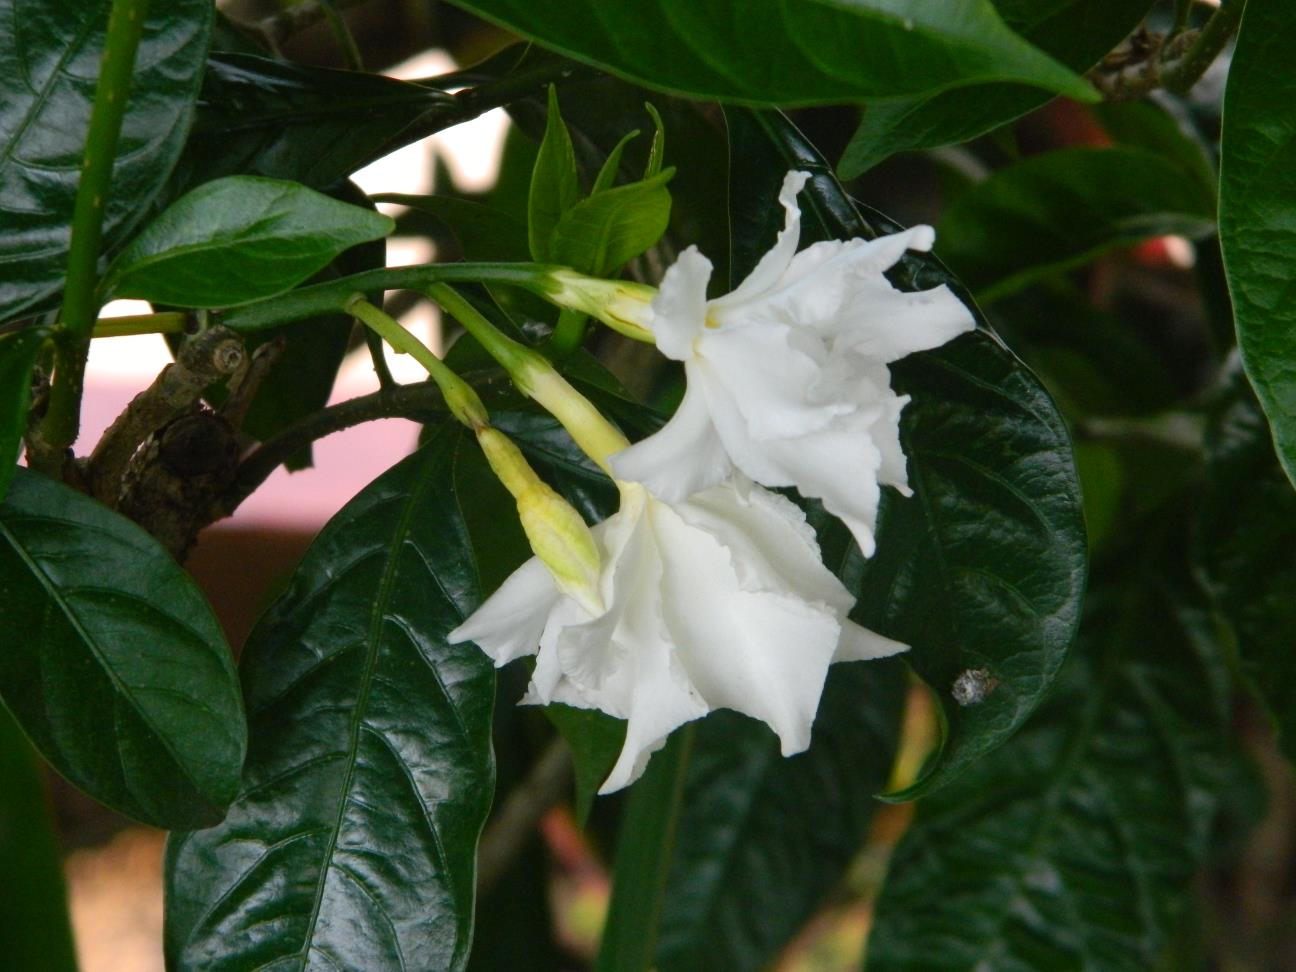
(556, 532)
(621, 305)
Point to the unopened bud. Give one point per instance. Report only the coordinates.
(621, 305)
(557, 533)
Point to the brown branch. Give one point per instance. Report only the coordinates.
(545, 786)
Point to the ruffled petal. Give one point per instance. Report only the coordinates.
(772, 377)
(858, 643)
(510, 623)
(763, 654)
(773, 547)
(775, 262)
(682, 457)
(889, 324)
(679, 310)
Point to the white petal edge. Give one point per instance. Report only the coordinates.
(771, 267)
(510, 623)
(858, 643)
(679, 310)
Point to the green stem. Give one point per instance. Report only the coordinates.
(167, 322)
(537, 378)
(459, 395)
(569, 334)
(1181, 75)
(333, 296)
(62, 420)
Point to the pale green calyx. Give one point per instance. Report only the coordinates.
(556, 532)
(624, 306)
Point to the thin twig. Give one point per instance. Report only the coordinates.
(544, 787)
(1181, 75)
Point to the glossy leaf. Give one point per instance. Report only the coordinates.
(554, 185)
(483, 232)
(34, 925)
(603, 233)
(1075, 845)
(762, 839)
(1246, 533)
(1257, 195)
(115, 665)
(1076, 32)
(49, 64)
(260, 116)
(18, 353)
(239, 239)
(1056, 211)
(775, 52)
(353, 842)
(984, 566)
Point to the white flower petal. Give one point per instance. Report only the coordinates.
(679, 310)
(860, 644)
(892, 323)
(772, 545)
(682, 457)
(770, 377)
(510, 622)
(775, 262)
(763, 654)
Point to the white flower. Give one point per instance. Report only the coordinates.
(718, 601)
(787, 375)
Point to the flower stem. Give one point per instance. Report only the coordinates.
(463, 402)
(537, 378)
(1182, 74)
(168, 322)
(62, 420)
(569, 334)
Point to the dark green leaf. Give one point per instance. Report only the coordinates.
(312, 125)
(1151, 125)
(1060, 210)
(238, 239)
(984, 566)
(554, 185)
(601, 234)
(484, 233)
(18, 353)
(49, 63)
(1246, 534)
(1076, 32)
(353, 843)
(644, 853)
(1074, 846)
(595, 740)
(1257, 196)
(763, 839)
(776, 52)
(34, 923)
(114, 664)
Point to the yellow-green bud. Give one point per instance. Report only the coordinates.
(557, 533)
(623, 306)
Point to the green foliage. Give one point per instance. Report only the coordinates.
(18, 354)
(1246, 533)
(1058, 211)
(1075, 32)
(774, 52)
(1257, 194)
(984, 567)
(555, 188)
(34, 924)
(761, 839)
(353, 841)
(49, 56)
(118, 673)
(1075, 844)
(602, 233)
(238, 239)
